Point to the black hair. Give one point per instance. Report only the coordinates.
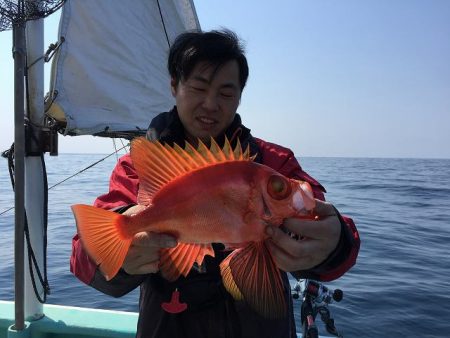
(214, 47)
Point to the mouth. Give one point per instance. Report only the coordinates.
(206, 121)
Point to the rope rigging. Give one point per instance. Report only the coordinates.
(33, 264)
(6, 154)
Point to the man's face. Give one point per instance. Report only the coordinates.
(207, 102)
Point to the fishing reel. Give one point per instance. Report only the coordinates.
(315, 300)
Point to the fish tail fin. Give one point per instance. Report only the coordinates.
(102, 238)
(250, 274)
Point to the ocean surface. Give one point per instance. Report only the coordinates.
(400, 286)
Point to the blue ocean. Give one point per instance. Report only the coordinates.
(400, 286)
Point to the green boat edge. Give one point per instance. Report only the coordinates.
(69, 321)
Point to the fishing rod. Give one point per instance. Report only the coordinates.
(315, 300)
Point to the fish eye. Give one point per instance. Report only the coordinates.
(278, 187)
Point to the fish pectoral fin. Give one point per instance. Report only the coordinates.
(250, 274)
(179, 260)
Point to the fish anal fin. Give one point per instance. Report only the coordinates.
(179, 260)
(250, 273)
(206, 250)
(103, 236)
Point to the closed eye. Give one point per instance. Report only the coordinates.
(227, 95)
(198, 89)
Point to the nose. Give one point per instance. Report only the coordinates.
(210, 102)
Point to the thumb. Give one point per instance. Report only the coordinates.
(151, 239)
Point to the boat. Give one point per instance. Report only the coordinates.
(88, 46)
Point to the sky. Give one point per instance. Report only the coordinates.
(327, 77)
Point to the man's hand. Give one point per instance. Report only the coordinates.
(317, 239)
(144, 253)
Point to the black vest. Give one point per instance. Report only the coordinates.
(211, 312)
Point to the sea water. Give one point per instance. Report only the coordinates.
(399, 286)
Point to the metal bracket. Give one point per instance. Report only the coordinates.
(40, 140)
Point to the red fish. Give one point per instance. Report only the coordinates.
(203, 196)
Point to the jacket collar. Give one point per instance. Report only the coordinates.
(167, 128)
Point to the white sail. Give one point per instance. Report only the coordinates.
(110, 72)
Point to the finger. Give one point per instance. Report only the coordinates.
(136, 209)
(138, 255)
(328, 227)
(312, 247)
(286, 262)
(151, 267)
(288, 244)
(151, 239)
(324, 209)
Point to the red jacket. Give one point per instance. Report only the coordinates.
(123, 190)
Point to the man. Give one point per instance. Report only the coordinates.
(208, 74)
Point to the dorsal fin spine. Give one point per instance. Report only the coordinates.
(204, 152)
(238, 151)
(228, 150)
(246, 153)
(177, 167)
(192, 156)
(217, 151)
(164, 170)
(159, 162)
(186, 161)
(197, 157)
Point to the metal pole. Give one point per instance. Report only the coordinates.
(19, 50)
(35, 189)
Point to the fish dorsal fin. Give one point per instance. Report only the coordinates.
(154, 168)
(217, 152)
(157, 164)
(238, 151)
(228, 150)
(207, 154)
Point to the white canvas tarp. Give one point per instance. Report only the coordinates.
(110, 72)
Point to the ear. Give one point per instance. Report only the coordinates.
(173, 86)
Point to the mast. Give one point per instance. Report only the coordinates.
(29, 175)
(19, 171)
(35, 186)
(28, 42)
